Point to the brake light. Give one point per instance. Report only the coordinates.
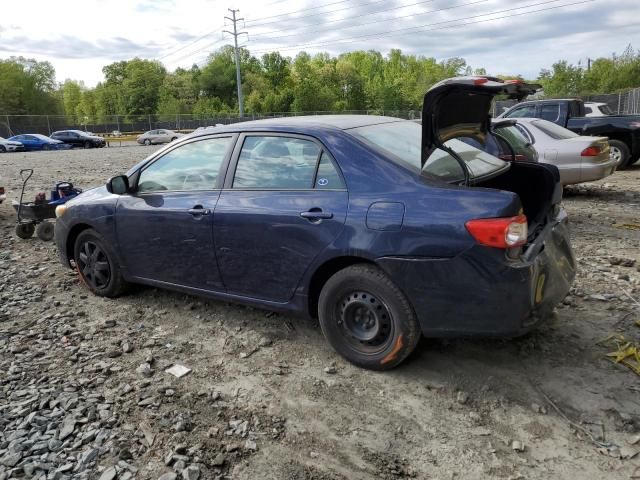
(480, 81)
(592, 151)
(516, 81)
(499, 232)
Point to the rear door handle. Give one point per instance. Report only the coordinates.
(199, 211)
(316, 215)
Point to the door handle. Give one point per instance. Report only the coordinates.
(199, 211)
(316, 214)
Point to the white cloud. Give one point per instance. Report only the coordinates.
(81, 36)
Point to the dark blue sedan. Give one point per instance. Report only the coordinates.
(36, 141)
(382, 228)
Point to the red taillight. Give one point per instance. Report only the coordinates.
(499, 232)
(591, 151)
(516, 81)
(480, 81)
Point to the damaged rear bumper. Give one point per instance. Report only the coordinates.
(482, 292)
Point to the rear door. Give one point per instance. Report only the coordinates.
(284, 202)
(165, 228)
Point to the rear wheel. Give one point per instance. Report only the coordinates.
(620, 153)
(97, 266)
(367, 319)
(45, 231)
(147, 142)
(25, 230)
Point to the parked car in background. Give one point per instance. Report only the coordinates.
(380, 227)
(578, 158)
(116, 133)
(154, 137)
(505, 141)
(36, 141)
(597, 109)
(623, 131)
(78, 138)
(10, 146)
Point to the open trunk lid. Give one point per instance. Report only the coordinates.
(461, 106)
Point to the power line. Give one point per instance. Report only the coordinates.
(312, 8)
(348, 19)
(216, 30)
(421, 28)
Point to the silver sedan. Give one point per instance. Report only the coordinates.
(579, 159)
(161, 135)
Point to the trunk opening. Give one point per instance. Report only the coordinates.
(537, 185)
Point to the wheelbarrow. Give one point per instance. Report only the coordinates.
(33, 216)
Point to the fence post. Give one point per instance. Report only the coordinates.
(48, 125)
(118, 122)
(9, 126)
(619, 99)
(149, 117)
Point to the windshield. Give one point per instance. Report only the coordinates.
(401, 143)
(554, 131)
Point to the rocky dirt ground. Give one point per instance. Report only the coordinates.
(83, 392)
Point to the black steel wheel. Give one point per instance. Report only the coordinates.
(96, 265)
(45, 231)
(367, 319)
(25, 230)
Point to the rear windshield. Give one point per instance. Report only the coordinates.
(606, 109)
(401, 143)
(553, 130)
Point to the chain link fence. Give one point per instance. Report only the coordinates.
(622, 103)
(114, 125)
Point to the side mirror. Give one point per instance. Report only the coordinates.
(118, 185)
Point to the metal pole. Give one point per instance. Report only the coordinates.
(150, 127)
(235, 34)
(9, 126)
(48, 125)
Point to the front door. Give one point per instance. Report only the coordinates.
(165, 227)
(284, 204)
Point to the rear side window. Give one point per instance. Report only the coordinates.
(550, 112)
(193, 166)
(276, 163)
(328, 177)
(554, 131)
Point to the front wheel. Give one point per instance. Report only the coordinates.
(87, 145)
(2, 149)
(367, 319)
(619, 152)
(97, 266)
(46, 147)
(25, 230)
(147, 142)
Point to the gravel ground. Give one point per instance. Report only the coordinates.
(84, 394)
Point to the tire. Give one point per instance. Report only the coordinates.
(25, 230)
(620, 152)
(97, 266)
(45, 231)
(87, 145)
(2, 149)
(147, 142)
(46, 147)
(367, 319)
(173, 139)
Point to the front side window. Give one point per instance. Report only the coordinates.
(276, 163)
(524, 112)
(193, 166)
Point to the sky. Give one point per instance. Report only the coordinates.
(513, 37)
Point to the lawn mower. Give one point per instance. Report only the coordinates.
(32, 216)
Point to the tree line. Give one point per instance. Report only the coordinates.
(359, 80)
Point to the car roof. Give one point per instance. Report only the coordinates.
(331, 122)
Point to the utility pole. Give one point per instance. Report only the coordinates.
(588, 64)
(235, 34)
